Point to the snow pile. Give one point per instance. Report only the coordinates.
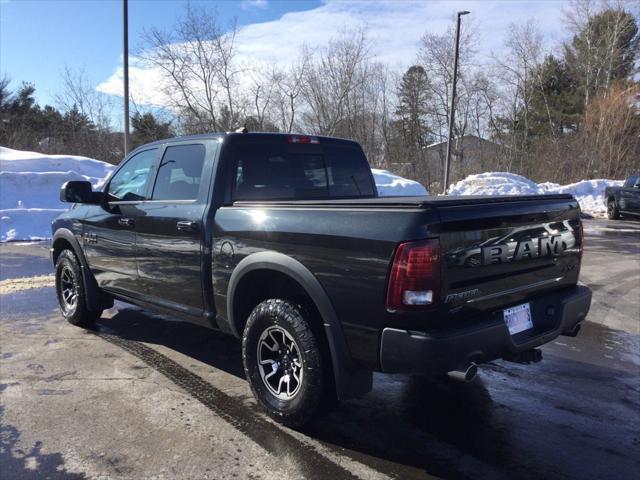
(30, 190)
(589, 193)
(391, 185)
(495, 183)
(546, 186)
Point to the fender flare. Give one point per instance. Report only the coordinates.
(66, 234)
(350, 379)
(95, 297)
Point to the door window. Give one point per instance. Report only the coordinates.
(180, 173)
(128, 184)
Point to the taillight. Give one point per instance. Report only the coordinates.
(303, 139)
(414, 282)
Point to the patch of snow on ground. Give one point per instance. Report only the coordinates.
(30, 190)
(391, 185)
(589, 193)
(496, 183)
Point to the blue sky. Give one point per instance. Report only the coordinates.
(39, 37)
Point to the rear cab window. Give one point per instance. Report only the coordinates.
(631, 181)
(282, 171)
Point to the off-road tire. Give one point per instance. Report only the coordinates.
(305, 406)
(612, 210)
(69, 277)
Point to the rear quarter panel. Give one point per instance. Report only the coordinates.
(348, 250)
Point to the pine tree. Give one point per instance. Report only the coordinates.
(147, 128)
(604, 49)
(413, 107)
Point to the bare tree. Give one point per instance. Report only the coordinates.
(518, 70)
(288, 86)
(332, 80)
(197, 64)
(78, 91)
(612, 132)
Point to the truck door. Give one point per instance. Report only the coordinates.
(109, 229)
(170, 232)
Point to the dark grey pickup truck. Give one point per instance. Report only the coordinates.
(624, 200)
(282, 241)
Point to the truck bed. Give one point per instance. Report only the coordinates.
(406, 202)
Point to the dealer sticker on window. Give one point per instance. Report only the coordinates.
(518, 319)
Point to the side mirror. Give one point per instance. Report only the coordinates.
(77, 191)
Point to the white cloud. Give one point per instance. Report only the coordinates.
(249, 4)
(395, 28)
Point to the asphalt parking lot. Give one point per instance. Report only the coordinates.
(145, 397)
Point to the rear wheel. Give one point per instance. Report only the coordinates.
(71, 293)
(612, 210)
(283, 362)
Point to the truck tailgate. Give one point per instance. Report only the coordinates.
(501, 252)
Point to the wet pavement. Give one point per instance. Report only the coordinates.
(146, 397)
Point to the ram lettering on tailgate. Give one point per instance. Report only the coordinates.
(533, 248)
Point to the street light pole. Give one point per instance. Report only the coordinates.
(125, 40)
(453, 99)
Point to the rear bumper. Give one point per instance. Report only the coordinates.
(440, 351)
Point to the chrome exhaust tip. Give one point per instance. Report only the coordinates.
(575, 330)
(467, 375)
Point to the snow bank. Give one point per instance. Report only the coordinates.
(589, 193)
(391, 185)
(546, 186)
(496, 183)
(30, 189)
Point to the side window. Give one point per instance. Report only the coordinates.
(180, 173)
(128, 184)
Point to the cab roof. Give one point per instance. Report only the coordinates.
(261, 136)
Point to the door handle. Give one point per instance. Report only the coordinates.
(187, 226)
(125, 222)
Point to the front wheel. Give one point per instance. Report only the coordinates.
(71, 293)
(283, 362)
(612, 210)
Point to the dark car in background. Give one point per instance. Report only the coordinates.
(624, 200)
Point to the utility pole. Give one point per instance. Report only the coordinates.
(125, 41)
(453, 99)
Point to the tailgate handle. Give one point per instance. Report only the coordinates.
(187, 226)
